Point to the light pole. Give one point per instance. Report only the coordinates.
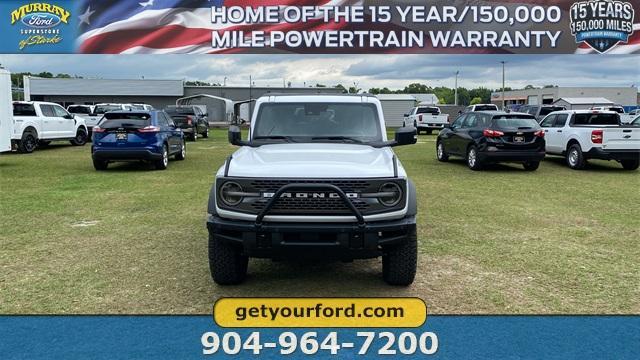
(456, 96)
(503, 99)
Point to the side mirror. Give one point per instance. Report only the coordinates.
(406, 115)
(406, 136)
(447, 126)
(235, 136)
(69, 117)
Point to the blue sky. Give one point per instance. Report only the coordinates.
(393, 71)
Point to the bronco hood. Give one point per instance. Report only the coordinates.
(318, 160)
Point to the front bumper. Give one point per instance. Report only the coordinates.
(618, 155)
(511, 156)
(339, 241)
(125, 154)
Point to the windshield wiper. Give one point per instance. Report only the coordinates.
(274, 137)
(338, 138)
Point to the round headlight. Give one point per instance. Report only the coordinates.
(392, 194)
(229, 193)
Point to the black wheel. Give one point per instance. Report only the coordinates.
(473, 161)
(205, 134)
(531, 165)
(399, 263)
(227, 264)
(80, 139)
(28, 142)
(575, 158)
(441, 153)
(194, 135)
(183, 152)
(100, 165)
(164, 161)
(630, 164)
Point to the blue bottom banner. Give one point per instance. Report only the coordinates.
(441, 337)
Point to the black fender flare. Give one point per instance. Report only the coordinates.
(412, 209)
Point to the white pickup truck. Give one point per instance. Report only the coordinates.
(426, 118)
(38, 123)
(580, 135)
(87, 113)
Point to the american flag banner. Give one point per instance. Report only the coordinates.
(186, 27)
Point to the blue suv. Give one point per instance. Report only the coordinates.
(137, 135)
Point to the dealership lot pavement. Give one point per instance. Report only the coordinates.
(133, 240)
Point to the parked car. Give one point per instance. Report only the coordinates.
(39, 123)
(580, 135)
(143, 107)
(624, 117)
(137, 136)
(635, 112)
(426, 118)
(101, 109)
(493, 137)
(191, 119)
(86, 112)
(480, 107)
(317, 179)
(540, 111)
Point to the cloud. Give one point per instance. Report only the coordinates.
(392, 71)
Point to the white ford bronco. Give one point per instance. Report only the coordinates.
(316, 179)
(38, 123)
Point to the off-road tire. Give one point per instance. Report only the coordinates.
(28, 143)
(182, 154)
(531, 165)
(630, 164)
(473, 161)
(227, 264)
(441, 152)
(205, 134)
(164, 161)
(400, 262)
(575, 159)
(100, 165)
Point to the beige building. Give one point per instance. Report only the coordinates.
(625, 96)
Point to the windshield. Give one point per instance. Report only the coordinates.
(318, 121)
(486, 108)
(24, 110)
(549, 109)
(429, 110)
(180, 111)
(116, 120)
(515, 122)
(79, 110)
(596, 119)
(102, 109)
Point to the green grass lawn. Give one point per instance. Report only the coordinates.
(133, 240)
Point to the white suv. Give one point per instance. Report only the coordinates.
(316, 179)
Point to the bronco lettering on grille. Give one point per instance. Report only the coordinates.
(310, 195)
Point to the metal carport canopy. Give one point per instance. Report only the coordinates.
(229, 108)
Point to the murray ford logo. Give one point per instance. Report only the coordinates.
(310, 195)
(602, 24)
(39, 23)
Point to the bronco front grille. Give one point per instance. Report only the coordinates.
(312, 205)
